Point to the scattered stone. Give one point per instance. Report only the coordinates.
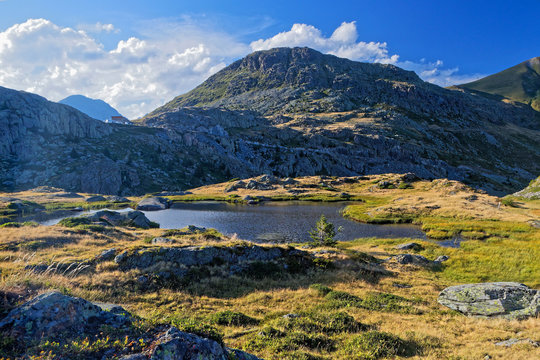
(410, 246)
(235, 186)
(96, 198)
(411, 259)
(162, 241)
(410, 178)
(291, 316)
(53, 313)
(153, 204)
(442, 258)
(508, 300)
(117, 199)
(106, 255)
(402, 286)
(511, 342)
(289, 181)
(535, 223)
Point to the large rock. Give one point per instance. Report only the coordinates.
(130, 218)
(178, 345)
(153, 204)
(53, 313)
(501, 299)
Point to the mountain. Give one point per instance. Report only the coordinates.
(95, 108)
(519, 83)
(299, 112)
(289, 112)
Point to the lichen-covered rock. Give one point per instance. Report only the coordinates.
(162, 240)
(53, 313)
(178, 345)
(117, 199)
(501, 299)
(153, 204)
(106, 255)
(409, 246)
(412, 259)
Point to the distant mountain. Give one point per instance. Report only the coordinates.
(519, 83)
(95, 108)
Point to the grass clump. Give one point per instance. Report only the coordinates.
(197, 327)
(321, 322)
(14, 224)
(373, 345)
(74, 221)
(232, 318)
(322, 290)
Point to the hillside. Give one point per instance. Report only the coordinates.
(532, 191)
(299, 112)
(519, 83)
(95, 108)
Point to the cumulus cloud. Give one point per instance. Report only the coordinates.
(98, 28)
(342, 43)
(136, 76)
(165, 59)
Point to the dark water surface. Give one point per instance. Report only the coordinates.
(272, 221)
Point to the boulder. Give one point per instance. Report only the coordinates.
(95, 198)
(52, 314)
(162, 240)
(501, 299)
(412, 259)
(178, 345)
(106, 255)
(513, 341)
(153, 204)
(131, 218)
(409, 246)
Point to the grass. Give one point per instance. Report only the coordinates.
(325, 312)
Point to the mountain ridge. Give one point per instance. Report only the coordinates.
(95, 108)
(520, 83)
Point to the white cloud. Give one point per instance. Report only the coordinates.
(136, 76)
(165, 59)
(341, 43)
(98, 28)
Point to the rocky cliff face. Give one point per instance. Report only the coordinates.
(290, 112)
(299, 112)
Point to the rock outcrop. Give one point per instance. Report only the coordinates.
(128, 218)
(53, 313)
(57, 317)
(153, 204)
(530, 192)
(503, 299)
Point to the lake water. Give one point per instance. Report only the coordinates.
(270, 222)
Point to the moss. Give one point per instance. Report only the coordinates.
(232, 318)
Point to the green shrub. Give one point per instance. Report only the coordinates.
(18, 224)
(74, 221)
(320, 289)
(376, 345)
(320, 322)
(342, 299)
(232, 318)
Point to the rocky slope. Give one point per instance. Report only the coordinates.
(290, 112)
(299, 112)
(532, 191)
(45, 143)
(519, 83)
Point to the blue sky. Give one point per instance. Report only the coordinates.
(137, 55)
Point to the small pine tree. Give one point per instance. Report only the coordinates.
(324, 232)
